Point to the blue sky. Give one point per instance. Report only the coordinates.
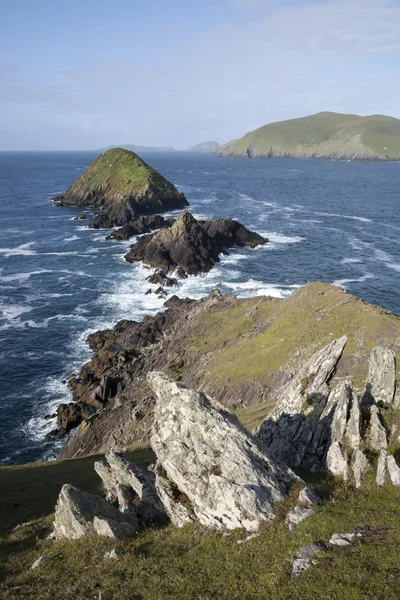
(83, 75)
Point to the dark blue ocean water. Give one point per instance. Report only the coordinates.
(332, 221)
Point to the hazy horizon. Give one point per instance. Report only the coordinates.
(87, 75)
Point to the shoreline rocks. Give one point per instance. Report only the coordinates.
(191, 246)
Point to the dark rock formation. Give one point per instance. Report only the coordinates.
(159, 277)
(228, 232)
(186, 244)
(123, 186)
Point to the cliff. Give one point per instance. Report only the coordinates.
(324, 135)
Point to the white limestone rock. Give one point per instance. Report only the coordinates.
(308, 496)
(381, 380)
(310, 382)
(76, 512)
(377, 432)
(133, 487)
(336, 461)
(304, 558)
(382, 468)
(393, 470)
(297, 515)
(113, 529)
(209, 458)
(359, 466)
(342, 539)
(353, 428)
(341, 402)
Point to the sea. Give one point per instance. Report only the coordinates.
(337, 222)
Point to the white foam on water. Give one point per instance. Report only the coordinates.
(354, 218)
(22, 250)
(280, 238)
(343, 282)
(10, 312)
(393, 266)
(382, 256)
(348, 261)
(73, 238)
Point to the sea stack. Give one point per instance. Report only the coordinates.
(122, 186)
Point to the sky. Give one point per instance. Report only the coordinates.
(85, 74)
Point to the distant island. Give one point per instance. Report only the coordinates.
(209, 146)
(136, 149)
(324, 135)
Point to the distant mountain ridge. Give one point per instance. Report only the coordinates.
(323, 135)
(136, 149)
(209, 146)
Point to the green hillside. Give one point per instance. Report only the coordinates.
(324, 135)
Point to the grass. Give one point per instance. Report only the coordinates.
(323, 134)
(196, 563)
(118, 175)
(254, 339)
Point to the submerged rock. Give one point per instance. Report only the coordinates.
(213, 466)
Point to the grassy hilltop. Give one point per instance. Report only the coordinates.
(323, 135)
(120, 180)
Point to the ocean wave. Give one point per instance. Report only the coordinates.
(354, 218)
(362, 279)
(73, 238)
(393, 266)
(348, 261)
(280, 238)
(22, 250)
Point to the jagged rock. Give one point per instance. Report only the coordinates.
(228, 232)
(140, 226)
(76, 512)
(393, 470)
(307, 416)
(377, 432)
(359, 466)
(297, 515)
(353, 428)
(159, 277)
(176, 503)
(381, 470)
(336, 461)
(186, 244)
(342, 539)
(213, 461)
(308, 496)
(342, 398)
(309, 385)
(381, 380)
(396, 400)
(120, 478)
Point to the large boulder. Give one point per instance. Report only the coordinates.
(381, 380)
(124, 186)
(209, 464)
(79, 514)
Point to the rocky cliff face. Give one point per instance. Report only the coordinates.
(243, 352)
(122, 186)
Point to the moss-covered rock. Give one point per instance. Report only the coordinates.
(122, 184)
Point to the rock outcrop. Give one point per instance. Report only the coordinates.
(79, 514)
(228, 232)
(123, 186)
(209, 469)
(190, 245)
(212, 465)
(186, 244)
(138, 227)
(329, 430)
